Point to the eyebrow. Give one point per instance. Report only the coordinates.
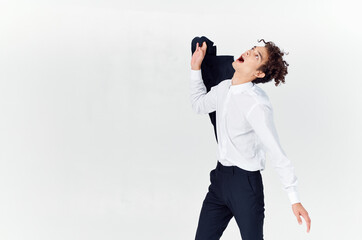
(261, 57)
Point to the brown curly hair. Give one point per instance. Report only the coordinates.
(275, 68)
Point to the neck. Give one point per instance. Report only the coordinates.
(239, 79)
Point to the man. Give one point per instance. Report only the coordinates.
(246, 131)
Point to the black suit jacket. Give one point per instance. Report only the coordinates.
(214, 69)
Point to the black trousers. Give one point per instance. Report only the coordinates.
(214, 69)
(233, 192)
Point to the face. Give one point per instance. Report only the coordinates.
(248, 63)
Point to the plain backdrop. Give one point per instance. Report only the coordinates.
(98, 139)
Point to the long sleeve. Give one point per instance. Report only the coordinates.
(260, 117)
(201, 101)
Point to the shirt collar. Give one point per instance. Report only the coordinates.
(240, 87)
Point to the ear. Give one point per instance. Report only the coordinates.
(259, 74)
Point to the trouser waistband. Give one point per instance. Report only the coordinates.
(234, 170)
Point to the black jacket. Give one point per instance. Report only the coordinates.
(214, 69)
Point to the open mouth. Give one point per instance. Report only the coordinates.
(241, 59)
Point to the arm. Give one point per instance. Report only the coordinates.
(201, 101)
(260, 118)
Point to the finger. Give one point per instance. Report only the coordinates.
(299, 219)
(308, 226)
(307, 220)
(204, 45)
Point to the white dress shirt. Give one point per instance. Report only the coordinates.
(245, 128)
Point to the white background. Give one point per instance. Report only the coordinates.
(98, 139)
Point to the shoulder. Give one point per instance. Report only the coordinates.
(222, 86)
(254, 97)
(222, 83)
(259, 95)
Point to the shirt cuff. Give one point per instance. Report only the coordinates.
(293, 197)
(196, 74)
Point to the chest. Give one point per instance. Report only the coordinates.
(231, 113)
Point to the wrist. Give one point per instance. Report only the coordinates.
(196, 68)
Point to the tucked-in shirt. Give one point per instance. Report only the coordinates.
(245, 128)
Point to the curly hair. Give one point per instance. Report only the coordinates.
(275, 67)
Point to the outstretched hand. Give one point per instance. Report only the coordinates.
(198, 56)
(298, 211)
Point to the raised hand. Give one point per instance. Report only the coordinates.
(198, 56)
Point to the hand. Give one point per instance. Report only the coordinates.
(198, 56)
(298, 210)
